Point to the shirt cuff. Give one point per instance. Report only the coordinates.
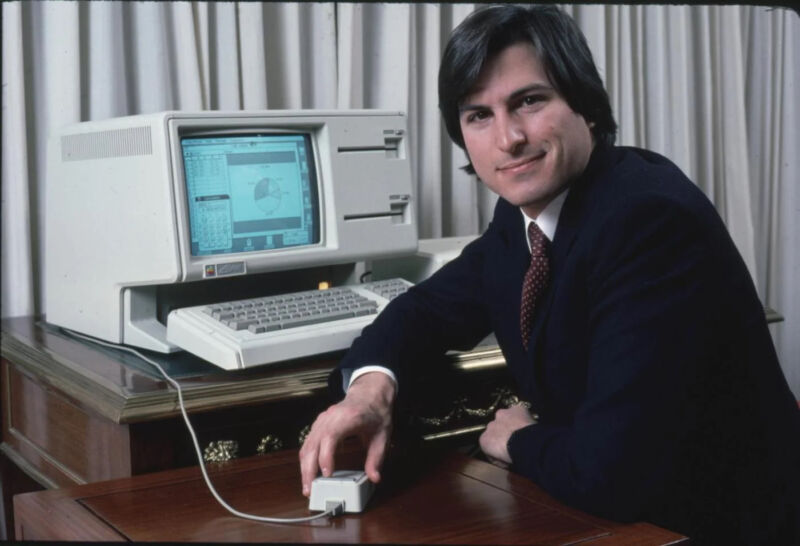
(348, 376)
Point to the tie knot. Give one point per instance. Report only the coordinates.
(537, 239)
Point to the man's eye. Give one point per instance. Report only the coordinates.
(530, 100)
(477, 116)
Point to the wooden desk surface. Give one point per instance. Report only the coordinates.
(438, 500)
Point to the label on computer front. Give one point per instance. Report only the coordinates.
(223, 270)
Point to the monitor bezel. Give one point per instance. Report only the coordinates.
(242, 263)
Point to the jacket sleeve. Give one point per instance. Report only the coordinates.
(446, 311)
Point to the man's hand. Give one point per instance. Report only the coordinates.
(366, 412)
(494, 439)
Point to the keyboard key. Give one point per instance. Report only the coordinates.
(241, 324)
(317, 319)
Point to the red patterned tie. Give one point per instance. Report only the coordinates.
(535, 279)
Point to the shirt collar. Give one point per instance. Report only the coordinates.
(547, 220)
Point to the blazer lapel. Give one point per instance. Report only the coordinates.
(573, 213)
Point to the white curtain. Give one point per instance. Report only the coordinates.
(715, 88)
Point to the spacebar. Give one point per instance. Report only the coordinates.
(316, 319)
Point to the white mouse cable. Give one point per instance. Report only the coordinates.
(335, 509)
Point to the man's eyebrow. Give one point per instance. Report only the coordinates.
(513, 96)
(529, 88)
(469, 108)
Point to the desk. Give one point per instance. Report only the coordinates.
(75, 413)
(431, 500)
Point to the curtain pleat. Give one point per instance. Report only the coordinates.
(715, 88)
(107, 80)
(427, 140)
(466, 194)
(187, 58)
(321, 69)
(252, 54)
(224, 57)
(17, 259)
(733, 173)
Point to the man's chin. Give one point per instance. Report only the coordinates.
(532, 206)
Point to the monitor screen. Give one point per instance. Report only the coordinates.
(250, 192)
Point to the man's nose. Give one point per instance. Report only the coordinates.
(510, 134)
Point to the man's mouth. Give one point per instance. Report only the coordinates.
(521, 164)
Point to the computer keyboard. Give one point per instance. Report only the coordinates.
(245, 333)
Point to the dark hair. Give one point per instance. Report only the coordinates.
(559, 44)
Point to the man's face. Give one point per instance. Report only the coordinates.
(524, 141)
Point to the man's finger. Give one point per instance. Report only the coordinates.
(375, 454)
(327, 450)
(309, 454)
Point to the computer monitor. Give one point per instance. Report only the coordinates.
(140, 206)
(250, 192)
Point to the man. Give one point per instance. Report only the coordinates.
(638, 337)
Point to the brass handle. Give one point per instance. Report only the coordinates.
(502, 398)
(268, 444)
(220, 451)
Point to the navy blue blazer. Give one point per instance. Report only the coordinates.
(650, 364)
